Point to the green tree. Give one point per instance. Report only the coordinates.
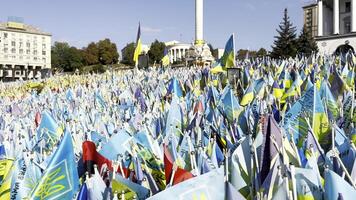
(306, 43)
(241, 54)
(66, 57)
(107, 52)
(128, 54)
(285, 45)
(261, 52)
(91, 54)
(156, 51)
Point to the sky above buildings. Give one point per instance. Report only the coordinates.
(79, 22)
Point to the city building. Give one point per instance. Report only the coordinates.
(24, 50)
(177, 51)
(333, 24)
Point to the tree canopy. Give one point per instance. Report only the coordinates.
(156, 51)
(285, 45)
(306, 43)
(128, 54)
(66, 57)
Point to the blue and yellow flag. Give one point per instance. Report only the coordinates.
(277, 90)
(228, 59)
(138, 49)
(165, 59)
(321, 126)
(60, 180)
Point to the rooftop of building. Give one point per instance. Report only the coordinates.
(21, 28)
(309, 4)
(176, 43)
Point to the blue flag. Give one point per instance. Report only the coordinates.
(60, 180)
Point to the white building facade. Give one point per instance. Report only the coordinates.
(177, 51)
(336, 24)
(24, 51)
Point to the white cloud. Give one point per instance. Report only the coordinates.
(150, 29)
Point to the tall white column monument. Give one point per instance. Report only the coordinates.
(336, 17)
(353, 16)
(199, 53)
(320, 18)
(199, 21)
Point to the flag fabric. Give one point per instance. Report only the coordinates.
(60, 180)
(207, 186)
(165, 60)
(284, 130)
(179, 175)
(228, 58)
(83, 193)
(138, 48)
(272, 140)
(336, 187)
(48, 129)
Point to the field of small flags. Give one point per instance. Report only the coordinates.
(284, 129)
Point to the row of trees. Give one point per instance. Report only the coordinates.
(70, 58)
(104, 52)
(155, 53)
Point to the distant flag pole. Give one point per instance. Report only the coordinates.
(233, 36)
(138, 48)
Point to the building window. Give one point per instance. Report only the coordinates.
(13, 50)
(21, 58)
(35, 58)
(5, 35)
(35, 52)
(20, 44)
(348, 7)
(28, 51)
(43, 53)
(13, 43)
(347, 24)
(28, 44)
(5, 50)
(44, 60)
(21, 51)
(43, 46)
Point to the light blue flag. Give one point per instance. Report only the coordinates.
(229, 104)
(241, 166)
(48, 129)
(209, 186)
(115, 146)
(295, 119)
(307, 184)
(174, 122)
(336, 187)
(69, 95)
(24, 179)
(175, 88)
(281, 192)
(60, 180)
(142, 192)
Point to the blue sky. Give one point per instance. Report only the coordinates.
(79, 22)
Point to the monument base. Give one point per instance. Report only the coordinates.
(199, 54)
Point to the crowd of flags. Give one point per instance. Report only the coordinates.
(284, 129)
